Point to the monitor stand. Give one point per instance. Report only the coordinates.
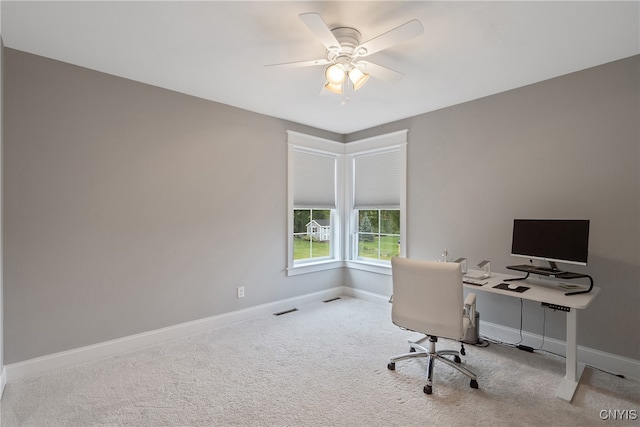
(513, 279)
(552, 271)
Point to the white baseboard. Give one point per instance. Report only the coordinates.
(366, 295)
(29, 368)
(3, 381)
(65, 359)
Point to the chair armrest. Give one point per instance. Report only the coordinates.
(470, 300)
(470, 309)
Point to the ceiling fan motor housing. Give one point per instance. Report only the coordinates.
(349, 38)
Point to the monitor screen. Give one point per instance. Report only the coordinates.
(554, 240)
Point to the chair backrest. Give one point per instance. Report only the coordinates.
(428, 297)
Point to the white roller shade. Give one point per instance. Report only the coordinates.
(377, 180)
(314, 184)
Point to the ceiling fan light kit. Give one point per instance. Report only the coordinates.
(334, 88)
(358, 78)
(335, 74)
(344, 50)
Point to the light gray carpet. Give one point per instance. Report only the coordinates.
(323, 365)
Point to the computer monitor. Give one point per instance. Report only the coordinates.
(552, 240)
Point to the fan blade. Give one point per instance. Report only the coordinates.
(316, 24)
(399, 34)
(299, 64)
(378, 71)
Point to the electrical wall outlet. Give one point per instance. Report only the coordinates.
(240, 291)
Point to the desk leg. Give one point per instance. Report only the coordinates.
(574, 371)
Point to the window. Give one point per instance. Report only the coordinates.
(377, 196)
(314, 227)
(346, 202)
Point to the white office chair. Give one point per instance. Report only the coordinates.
(428, 298)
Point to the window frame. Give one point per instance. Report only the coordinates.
(315, 145)
(375, 145)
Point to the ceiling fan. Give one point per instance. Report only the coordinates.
(345, 50)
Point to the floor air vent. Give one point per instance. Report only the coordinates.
(285, 312)
(332, 299)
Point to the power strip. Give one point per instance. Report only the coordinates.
(556, 307)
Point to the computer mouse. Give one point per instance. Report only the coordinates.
(513, 286)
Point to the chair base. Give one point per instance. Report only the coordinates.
(417, 350)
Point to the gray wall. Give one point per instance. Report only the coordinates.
(130, 208)
(563, 148)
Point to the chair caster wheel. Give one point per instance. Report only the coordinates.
(457, 359)
(392, 367)
(427, 389)
(473, 384)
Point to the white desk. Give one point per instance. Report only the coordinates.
(544, 291)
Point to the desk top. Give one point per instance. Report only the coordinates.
(539, 290)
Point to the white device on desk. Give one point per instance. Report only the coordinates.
(463, 264)
(480, 279)
(474, 281)
(486, 267)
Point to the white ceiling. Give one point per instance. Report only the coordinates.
(217, 50)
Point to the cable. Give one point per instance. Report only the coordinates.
(482, 343)
(521, 320)
(544, 327)
(521, 317)
(607, 372)
(498, 342)
(507, 344)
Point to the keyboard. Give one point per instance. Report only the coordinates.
(477, 282)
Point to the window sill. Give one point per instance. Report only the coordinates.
(312, 267)
(372, 267)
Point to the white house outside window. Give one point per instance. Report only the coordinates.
(312, 234)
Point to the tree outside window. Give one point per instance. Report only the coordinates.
(378, 234)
